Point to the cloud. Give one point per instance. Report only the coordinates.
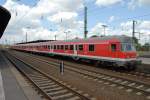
(58, 17)
(125, 28)
(126, 25)
(144, 25)
(139, 25)
(134, 3)
(66, 20)
(29, 19)
(111, 19)
(105, 3)
(97, 29)
(144, 2)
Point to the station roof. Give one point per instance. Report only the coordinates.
(37, 41)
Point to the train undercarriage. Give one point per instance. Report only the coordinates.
(127, 65)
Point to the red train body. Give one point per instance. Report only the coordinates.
(113, 50)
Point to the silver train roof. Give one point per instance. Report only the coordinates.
(122, 38)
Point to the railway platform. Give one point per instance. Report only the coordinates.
(12, 85)
(145, 60)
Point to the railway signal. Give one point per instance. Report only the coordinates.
(62, 68)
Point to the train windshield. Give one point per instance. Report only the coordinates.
(127, 47)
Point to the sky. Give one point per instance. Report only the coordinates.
(45, 19)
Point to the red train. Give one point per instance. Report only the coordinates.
(111, 50)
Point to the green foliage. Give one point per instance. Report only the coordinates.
(94, 36)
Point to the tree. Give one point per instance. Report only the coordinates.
(93, 36)
(137, 44)
(146, 46)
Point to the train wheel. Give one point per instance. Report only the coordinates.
(97, 63)
(75, 58)
(131, 67)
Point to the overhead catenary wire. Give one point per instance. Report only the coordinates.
(24, 15)
(93, 10)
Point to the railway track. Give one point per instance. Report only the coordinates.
(121, 72)
(50, 87)
(136, 74)
(122, 83)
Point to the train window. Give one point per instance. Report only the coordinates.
(57, 47)
(49, 47)
(113, 47)
(62, 47)
(127, 47)
(91, 47)
(66, 47)
(80, 47)
(71, 47)
(76, 47)
(54, 47)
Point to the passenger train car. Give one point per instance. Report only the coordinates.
(111, 50)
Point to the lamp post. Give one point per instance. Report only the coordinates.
(104, 26)
(26, 36)
(66, 32)
(55, 37)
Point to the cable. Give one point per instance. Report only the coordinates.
(24, 14)
(145, 15)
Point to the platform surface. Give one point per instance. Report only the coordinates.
(9, 87)
(145, 60)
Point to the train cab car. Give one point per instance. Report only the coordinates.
(118, 51)
(126, 53)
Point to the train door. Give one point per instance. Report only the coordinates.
(49, 48)
(75, 50)
(52, 48)
(113, 48)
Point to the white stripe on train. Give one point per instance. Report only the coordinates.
(85, 56)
